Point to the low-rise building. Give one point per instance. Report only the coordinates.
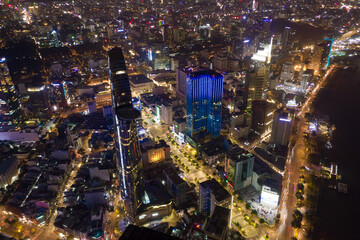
(218, 226)
(141, 233)
(8, 170)
(213, 194)
(140, 83)
(271, 191)
(175, 185)
(155, 154)
(156, 203)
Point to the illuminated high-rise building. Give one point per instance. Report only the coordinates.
(38, 104)
(127, 148)
(257, 80)
(120, 84)
(286, 40)
(239, 167)
(158, 56)
(57, 95)
(9, 101)
(282, 126)
(254, 85)
(262, 116)
(204, 102)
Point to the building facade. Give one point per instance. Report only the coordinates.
(8, 170)
(9, 100)
(204, 102)
(175, 185)
(213, 194)
(282, 126)
(262, 116)
(255, 84)
(127, 148)
(239, 167)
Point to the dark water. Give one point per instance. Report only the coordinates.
(303, 32)
(338, 215)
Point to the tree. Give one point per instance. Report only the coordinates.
(261, 220)
(299, 196)
(300, 186)
(297, 214)
(277, 220)
(254, 212)
(302, 179)
(297, 218)
(296, 223)
(247, 205)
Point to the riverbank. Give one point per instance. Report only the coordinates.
(338, 214)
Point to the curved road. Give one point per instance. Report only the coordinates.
(295, 161)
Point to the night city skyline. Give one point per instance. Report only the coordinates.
(179, 119)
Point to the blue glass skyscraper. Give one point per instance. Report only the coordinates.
(204, 90)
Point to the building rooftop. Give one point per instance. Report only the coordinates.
(139, 79)
(238, 154)
(205, 72)
(219, 192)
(175, 178)
(274, 182)
(218, 223)
(127, 113)
(133, 232)
(6, 163)
(156, 194)
(260, 167)
(278, 162)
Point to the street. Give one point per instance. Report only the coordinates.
(161, 131)
(294, 161)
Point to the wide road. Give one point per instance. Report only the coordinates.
(294, 162)
(161, 131)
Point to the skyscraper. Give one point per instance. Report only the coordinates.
(281, 129)
(128, 154)
(254, 85)
(286, 40)
(262, 116)
(9, 101)
(204, 90)
(120, 85)
(239, 167)
(181, 74)
(257, 80)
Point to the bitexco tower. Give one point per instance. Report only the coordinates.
(127, 149)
